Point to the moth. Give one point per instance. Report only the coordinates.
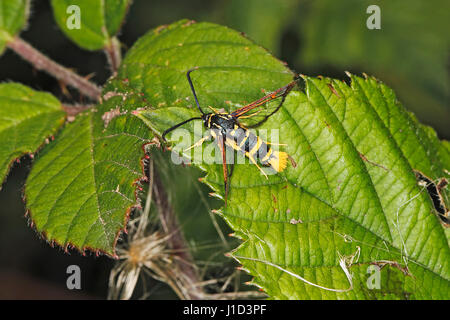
(226, 130)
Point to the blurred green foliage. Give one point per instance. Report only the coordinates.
(410, 52)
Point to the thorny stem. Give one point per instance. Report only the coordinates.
(73, 109)
(113, 54)
(176, 240)
(41, 62)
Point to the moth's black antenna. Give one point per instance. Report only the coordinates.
(192, 88)
(178, 125)
(196, 101)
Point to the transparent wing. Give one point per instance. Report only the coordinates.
(257, 112)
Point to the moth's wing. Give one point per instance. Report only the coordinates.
(257, 112)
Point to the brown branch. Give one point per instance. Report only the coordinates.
(41, 62)
(113, 54)
(73, 109)
(176, 239)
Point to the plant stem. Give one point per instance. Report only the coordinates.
(176, 239)
(113, 54)
(73, 109)
(41, 62)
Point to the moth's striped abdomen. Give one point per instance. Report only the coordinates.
(254, 147)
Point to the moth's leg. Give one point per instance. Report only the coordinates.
(199, 142)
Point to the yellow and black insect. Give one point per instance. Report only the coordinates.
(226, 130)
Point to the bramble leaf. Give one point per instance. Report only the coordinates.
(100, 20)
(263, 20)
(83, 185)
(13, 17)
(27, 118)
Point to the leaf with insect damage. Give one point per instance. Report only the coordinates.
(27, 118)
(82, 186)
(347, 209)
(91, 24)
(13, 17)
(355, 194)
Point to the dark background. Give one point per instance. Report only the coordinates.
(323, 37)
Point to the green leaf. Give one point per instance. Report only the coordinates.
(82, 187)
(157, 64)
(352, 197)
(27, 118)
(13, 17)
(100, 20)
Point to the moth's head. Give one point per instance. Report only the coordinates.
(207, 119)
